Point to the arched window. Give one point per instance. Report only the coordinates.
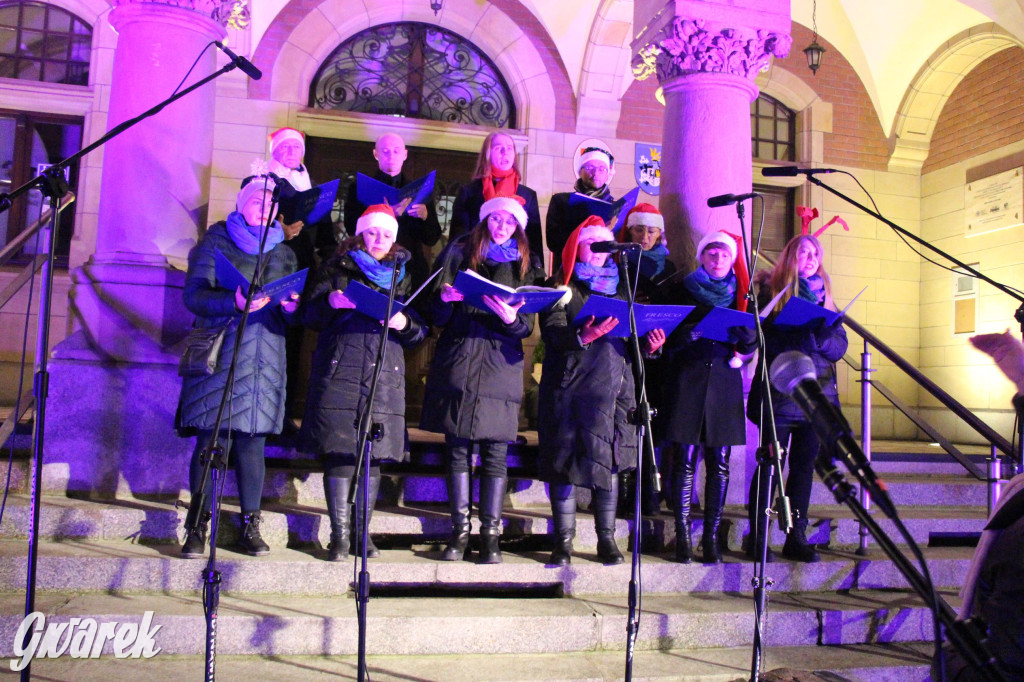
(772, 130)
(417, 71)
(42, 42)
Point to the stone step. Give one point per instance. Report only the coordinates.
(288, 625)
(424, 526)
(863, 663)
(125, 568)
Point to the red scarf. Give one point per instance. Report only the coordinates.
(500, 183)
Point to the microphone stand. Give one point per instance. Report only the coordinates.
(215, 463)
(367, 432)
(962, 634)
(1012, 293)
(769, 468)
(641, 417)
(49, 182)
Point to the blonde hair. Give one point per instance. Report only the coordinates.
(785, 275)
(483, 159)
(479, 240)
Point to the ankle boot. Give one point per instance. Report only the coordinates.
(563, 517)
(492, 495)
(682, 491)
(797, 548)
(459, 492)
(251, 541)
(759, 521)
(371, 550)
(195, 542)
(604, 521)
(716, 460)
(336, 490)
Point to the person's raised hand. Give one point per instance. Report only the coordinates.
(593, 329)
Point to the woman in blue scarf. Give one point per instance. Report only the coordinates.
(645, 226)
(586, 393)
(703, 413)
(799, 272)
(475, 385)
(257, 397)
(344, 363)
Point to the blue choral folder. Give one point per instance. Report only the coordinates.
(613, 213)
(310, 206)
(370, 191)
(375, 304)
(279, 290)
(799, 312)
(648, 317)
(474, 287)
(715, 325)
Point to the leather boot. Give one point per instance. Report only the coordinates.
(195, 542)
(371, 550)
(682, 490)
(797, 548)
(492, 496)
(563, 517)
(604, 520)
(459, 492)
(759, 522)
(716, 461)
(336, 490)
(251, 541)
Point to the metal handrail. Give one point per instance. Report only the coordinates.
(14, 247)
(972, 420)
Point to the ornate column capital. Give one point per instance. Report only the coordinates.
(228, 13)
(687, 46)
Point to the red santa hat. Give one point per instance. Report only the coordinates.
(283, 134)
(510, 204)
(729, 241)
(646, 215)
(377, 215)
(733, 243)
(594, 229)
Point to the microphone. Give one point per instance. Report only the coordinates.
(729, 199)
(790, 171)
(247, 67)
(402, 256)
(793, 373)
(613, 247)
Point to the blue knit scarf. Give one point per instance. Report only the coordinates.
(247, 237)
(376, 271)
(653, 262)
(812, 289)
(603, 280)
(708, 291)
(503, 253)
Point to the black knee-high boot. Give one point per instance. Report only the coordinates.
(716, 461)
(604, 502)
(371, 550)
(563, 516)
(336, 490)
(682, 488)
(459, 492)
(492, 497)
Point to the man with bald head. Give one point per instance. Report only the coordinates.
(418, 228)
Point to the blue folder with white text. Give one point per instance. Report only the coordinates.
(648, 317)
(474, 287)
(230, 278)
(370, 191)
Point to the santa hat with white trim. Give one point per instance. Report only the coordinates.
(594, 154)
(283, 134)
(377, 215)
(510, 204)
(592, 228)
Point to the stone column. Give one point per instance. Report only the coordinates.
(114, 385)
(706, 55)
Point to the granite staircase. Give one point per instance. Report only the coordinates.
(291, 615)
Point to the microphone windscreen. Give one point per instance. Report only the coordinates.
(789, 369)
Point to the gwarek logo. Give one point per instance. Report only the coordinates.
(82, 638)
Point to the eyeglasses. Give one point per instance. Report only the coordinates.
(640, 229)
(593, 168)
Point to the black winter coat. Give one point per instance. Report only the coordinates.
(257, 400)
(586, 393)
(475, 385)
(563, 218)
(466, 213)
(703, 394)
(824, 345)
(344, 361)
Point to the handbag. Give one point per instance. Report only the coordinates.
(202, 349)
